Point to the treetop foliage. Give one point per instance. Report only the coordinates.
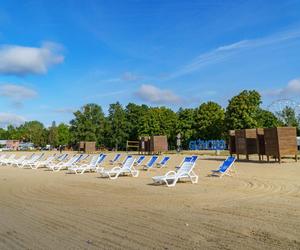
(208, 121)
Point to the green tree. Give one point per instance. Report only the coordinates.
(33, 131)
(13, 133)
(168, 122)
(149, 123)
(159, 121)
(134, 114)
(288, 117)
(117, 126)
(266, 119)
(186, 125)
(3, 134)
(64, 137)
(242, 109)
(53, 136)
(88, 124)
(209, 121)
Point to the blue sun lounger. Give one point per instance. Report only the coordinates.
(114, 160)
(150, 163)
(163, 162)
(139, 160)
(225, 168)
(192, 159)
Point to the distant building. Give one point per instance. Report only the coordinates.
(9, 144)
(13, 144)
(26, 146)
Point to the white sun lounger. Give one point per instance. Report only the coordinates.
(7, 161)
(15, 162)
(126, 168)
(40, 164)
(172, 177)
(33, 160)
(61, 157)
(91, 166)
(64, 165)
(2, 157)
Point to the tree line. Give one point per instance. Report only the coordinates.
(209, 121)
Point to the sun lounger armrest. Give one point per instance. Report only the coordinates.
(170, 172)
(183, 174)
(81, 166)
(115, 168)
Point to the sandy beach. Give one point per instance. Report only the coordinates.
(257, 208)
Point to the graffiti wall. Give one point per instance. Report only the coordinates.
(207, 145)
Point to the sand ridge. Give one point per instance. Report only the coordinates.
(258, 208)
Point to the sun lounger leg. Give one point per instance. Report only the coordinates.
(193, 177)
(113, 177)
(134, 172)
(172, 184)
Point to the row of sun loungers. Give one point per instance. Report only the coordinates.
(78, 164)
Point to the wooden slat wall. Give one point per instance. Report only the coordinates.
(280, 142)
(246, 142)
(158, 144)
(232, 146)
(261, 149)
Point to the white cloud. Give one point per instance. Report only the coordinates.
(129, 76)
(16, 93)
(10, 119)
(291, 89)
(21, 60)
(64, 110)
(152, 94)
(113, 93)
(112, 80)
(223, 53)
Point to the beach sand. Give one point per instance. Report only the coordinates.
(257, 208)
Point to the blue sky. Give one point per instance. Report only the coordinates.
(56, 56)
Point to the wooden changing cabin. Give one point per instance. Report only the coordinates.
(87, 146)
(154, 144)
(281, 141)
(245, 142)
(261, 147)
(158, 144)
(231, 144)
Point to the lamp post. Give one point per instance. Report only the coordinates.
(178, 142)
